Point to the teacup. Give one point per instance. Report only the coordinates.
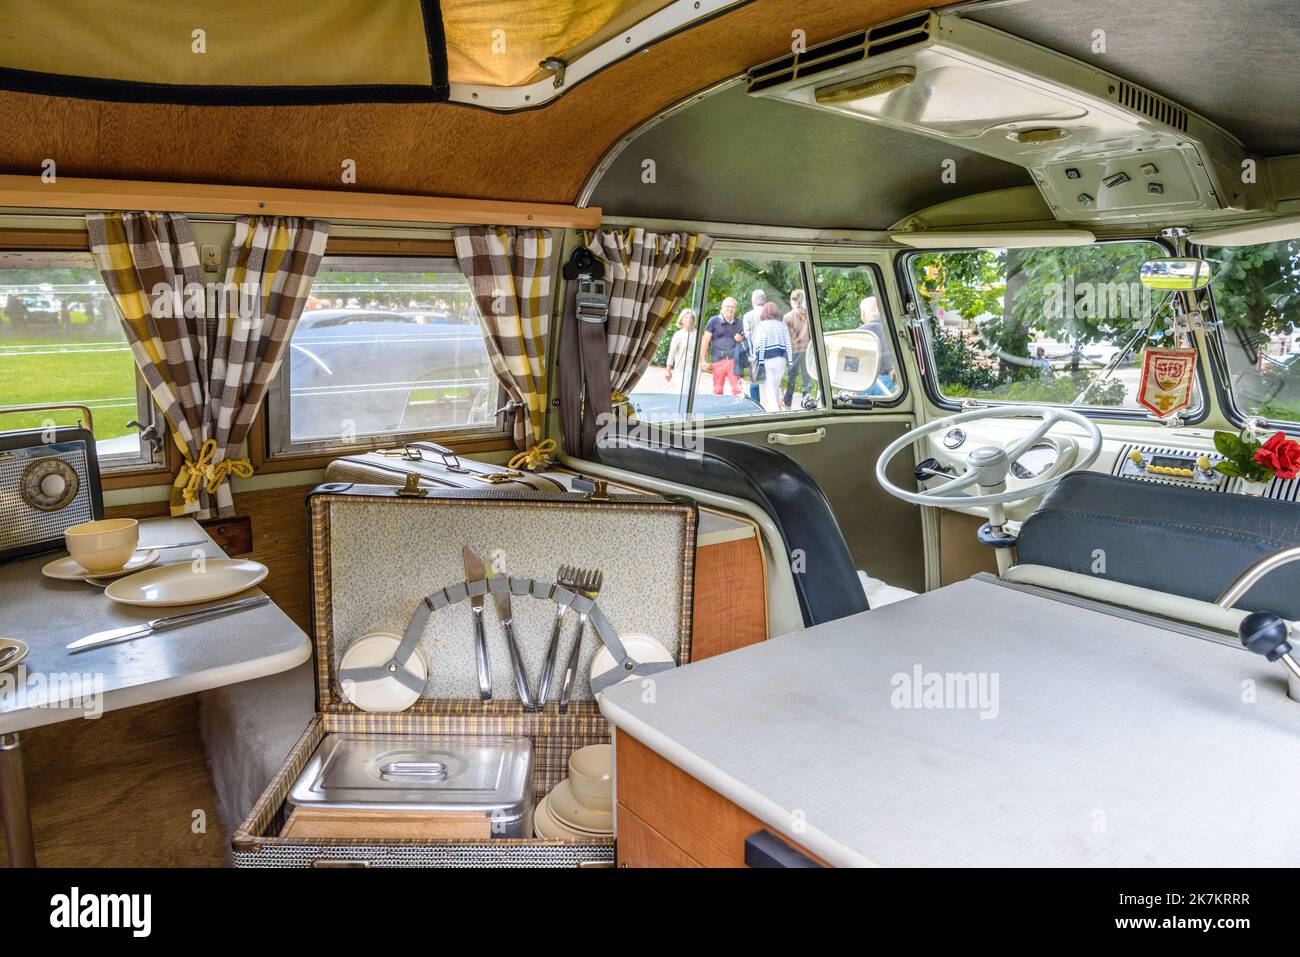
(103, 546)
(591, 775)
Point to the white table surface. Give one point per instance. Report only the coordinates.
(1115, 743)
(48, 614)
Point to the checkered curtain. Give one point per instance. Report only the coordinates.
(511, 272)
(147, 260)
(273, 261)
(649, 274)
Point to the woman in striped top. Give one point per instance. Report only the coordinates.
(771, 351)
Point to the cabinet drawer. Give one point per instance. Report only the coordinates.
(640, 845)
(688, 814)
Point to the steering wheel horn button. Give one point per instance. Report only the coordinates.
(990, 464)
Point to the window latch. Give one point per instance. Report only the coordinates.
(150, 434)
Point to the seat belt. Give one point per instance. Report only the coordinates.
(584, 354)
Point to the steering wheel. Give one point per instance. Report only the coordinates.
(987, 466)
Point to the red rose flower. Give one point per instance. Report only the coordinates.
(1280, 454)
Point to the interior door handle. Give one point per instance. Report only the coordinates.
(795, 438)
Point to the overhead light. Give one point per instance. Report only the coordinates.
(866, 87)
(1048, 134)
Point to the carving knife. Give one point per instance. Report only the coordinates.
(502, 600)
(474, 571)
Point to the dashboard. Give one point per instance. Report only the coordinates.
(1138, 453)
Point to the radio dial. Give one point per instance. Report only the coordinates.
(49, 484)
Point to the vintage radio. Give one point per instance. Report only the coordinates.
(49, 481)
(391, 563)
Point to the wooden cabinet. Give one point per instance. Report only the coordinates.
(666, 818)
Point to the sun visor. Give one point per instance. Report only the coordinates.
(236, 52)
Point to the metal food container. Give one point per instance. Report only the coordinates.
(468, 782)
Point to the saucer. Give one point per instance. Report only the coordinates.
(565, 807)
(548, 828)
(67, 569)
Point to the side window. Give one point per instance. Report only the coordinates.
(855, 334)
(386, 348)
(61, 340)
(757, 353)
(663, 393)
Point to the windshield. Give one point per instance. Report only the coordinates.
(1056, 325)
(1257, 298)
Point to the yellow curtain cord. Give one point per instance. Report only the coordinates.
(204, 473)
(536, 457)
(617, 398)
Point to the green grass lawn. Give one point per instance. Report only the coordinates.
(73, 366)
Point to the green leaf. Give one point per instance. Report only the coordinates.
(1227, 468)
(1227, 444)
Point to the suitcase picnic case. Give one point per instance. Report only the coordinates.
(377, 551)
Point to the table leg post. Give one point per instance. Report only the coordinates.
(13, 804)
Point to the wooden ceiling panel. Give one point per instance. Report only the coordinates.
(433, 149)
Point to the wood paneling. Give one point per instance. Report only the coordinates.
(960, 553)
(730, 598)
(540, 155)
(698, 821)
(640, 845)
(122, 790)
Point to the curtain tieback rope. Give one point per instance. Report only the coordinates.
(534, 458)
(204, 473)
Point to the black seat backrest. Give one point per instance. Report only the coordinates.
(1183, 541)
(825, 579)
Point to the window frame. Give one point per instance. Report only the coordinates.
(929, 382)
(146, 467)
(272, 450)
(887, 314)
(807, 260)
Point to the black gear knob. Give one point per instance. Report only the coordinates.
(1265, 634)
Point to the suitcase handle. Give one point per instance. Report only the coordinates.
(90, 421)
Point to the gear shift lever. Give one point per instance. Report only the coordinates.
(1264, 632)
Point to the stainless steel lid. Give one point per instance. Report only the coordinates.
(419, 773)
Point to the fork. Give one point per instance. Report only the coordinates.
(567, 577)
(588, 585)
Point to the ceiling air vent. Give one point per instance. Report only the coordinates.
(824, 56)
(899, 34)
(1148, 104)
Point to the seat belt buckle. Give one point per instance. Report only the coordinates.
(592, 300)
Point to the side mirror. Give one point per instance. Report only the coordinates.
(1179, 275)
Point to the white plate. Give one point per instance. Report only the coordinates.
(565, 807)
(644, 650)
(548, 828)
(387, 695)
(187, 583)
(67, 569)
(6, 643)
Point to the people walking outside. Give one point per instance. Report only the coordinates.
(681, 350)
(869, 313)
(796, 324)
(746, 365)
(771, 350)
(722, 333)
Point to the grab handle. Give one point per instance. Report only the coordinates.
(795, 438)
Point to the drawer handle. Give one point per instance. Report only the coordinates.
(795, 438)
(335, 862)
(765, 849)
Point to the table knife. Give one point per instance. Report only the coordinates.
(474, 571)
(502, 600)
(115, 635)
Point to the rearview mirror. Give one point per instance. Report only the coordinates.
(1176, 274)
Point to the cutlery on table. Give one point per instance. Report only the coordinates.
(474, 571)
(8, 653)
(502, 601)
(588, 587)
(567, 577)
(114, 635)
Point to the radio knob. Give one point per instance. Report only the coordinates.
(52, 486)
